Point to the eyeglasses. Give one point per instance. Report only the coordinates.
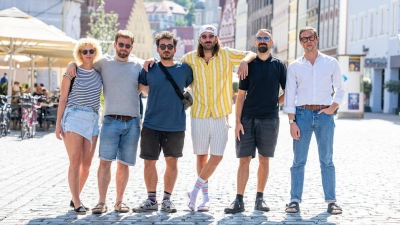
(204, 36)
(90, 51)
(120, 44)
(163, 46)
(305, 39)
(266, 38)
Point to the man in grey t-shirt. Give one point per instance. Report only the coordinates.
(120, 131)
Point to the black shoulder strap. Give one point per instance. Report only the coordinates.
(72, 82)
(169, 77)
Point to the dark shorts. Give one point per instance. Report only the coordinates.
(258, 133)
(152, 141)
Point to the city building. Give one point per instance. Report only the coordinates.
(206, 12)
(228, 24)
(372, 31)
(164, 14)
(132, 17)
(259, 16)
(280, 29)
(64, 15)
(241, 26)
(329, 26)
(185, 40)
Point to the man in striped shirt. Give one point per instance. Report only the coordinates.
(212, 103)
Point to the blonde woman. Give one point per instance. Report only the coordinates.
(77, 117)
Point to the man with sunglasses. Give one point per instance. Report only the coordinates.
(120, 129)
(257, 118)
(310, 105)
(164, 123)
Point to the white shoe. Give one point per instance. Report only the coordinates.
(189, 203)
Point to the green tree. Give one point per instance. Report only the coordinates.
(103, 26)
(392, 86)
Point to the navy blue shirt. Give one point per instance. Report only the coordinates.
(164, 110)
(262, 86)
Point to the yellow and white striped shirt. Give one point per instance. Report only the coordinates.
(212, 82)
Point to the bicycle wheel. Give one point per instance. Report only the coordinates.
(7, 125)
(23, 129)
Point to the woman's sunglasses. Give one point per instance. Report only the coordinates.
(91, 51)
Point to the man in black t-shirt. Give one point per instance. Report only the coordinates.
(257, 118)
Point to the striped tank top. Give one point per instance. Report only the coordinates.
(86, 89)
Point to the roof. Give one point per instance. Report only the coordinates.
(123, 9)
(182, 32)
(199, 4)
(165, 7)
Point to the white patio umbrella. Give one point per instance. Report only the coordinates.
(21, 33)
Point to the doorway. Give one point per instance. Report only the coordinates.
(383, 90)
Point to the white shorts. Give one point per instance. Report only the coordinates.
(209, 133)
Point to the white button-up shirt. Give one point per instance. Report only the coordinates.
(308, 84)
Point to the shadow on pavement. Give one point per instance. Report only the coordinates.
(321, 218)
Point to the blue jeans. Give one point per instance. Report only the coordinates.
(323, 127)
(119, 140)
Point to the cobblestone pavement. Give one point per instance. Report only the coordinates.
(34, 187)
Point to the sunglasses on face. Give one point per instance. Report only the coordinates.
(266, 38)
(305, 39)
(120, 44)
(90, 51)
(163, 46)
(204, 36)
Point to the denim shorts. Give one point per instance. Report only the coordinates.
(119, 140)
(81, 120)
(258, 133)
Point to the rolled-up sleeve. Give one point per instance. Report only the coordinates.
(290, 91)
(337, 81)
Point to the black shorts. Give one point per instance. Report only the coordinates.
(258, 133)
(152, 141)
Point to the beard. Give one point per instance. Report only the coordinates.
(207, 46)
(166, 56)
(123, 54)
(262, 48)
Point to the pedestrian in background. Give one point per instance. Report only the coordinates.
(77, 117)
(164, 123)
(4, 79)
(257, 118)
(120, 130)
(310, 106)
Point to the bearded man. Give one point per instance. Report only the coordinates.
(257, 118)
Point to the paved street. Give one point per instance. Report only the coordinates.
(34, 187)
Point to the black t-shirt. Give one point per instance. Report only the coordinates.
(262, 86)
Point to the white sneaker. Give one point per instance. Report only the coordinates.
(189, 203)
(168, 206)
(145, 206)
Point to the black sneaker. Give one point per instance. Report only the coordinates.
(235, 207)
(261, 205)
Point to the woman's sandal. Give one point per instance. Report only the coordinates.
(334, 209)
(291, 206)
(121, 207)
(72, 205)
(80, 210)
(100, 208)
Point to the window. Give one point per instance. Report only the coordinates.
(382, 20)
(394, 16)
(371, 23)
(352, 26)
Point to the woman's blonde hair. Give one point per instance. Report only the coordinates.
(84, 42)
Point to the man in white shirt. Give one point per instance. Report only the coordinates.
(310, 105)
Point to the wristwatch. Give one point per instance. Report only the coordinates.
(292, 121)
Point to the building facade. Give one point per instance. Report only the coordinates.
(259, 16)
(64, 15)
(241, 26)
(228, 24)
(163, 15)
(280, 29)
(372, 31)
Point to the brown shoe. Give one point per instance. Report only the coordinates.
(121, 207)
(100, 208)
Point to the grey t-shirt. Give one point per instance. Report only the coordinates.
(120, 85)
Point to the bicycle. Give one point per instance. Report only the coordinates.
(29, 106)
(5, 116)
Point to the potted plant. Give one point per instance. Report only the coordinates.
(393, 86)
(367, 92)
